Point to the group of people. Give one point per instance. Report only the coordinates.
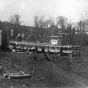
(43, 52)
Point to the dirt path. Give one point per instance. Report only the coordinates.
(74, 80)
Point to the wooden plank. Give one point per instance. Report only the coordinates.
(19, 75)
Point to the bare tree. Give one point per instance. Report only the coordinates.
(83, 23)
(52, 25)
(15, 19)
(83, 27)
(36, 24)
(62, 22)
(16, 22)
(47, 24)
(40, 25)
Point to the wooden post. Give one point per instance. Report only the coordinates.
(4, 43)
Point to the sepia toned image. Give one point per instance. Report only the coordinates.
(43, 44)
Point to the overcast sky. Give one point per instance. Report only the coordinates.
(72, 9)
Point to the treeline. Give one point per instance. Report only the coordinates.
(42, 29)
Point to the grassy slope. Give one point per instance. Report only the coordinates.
(44, 74)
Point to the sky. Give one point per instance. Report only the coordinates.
(27, 9)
